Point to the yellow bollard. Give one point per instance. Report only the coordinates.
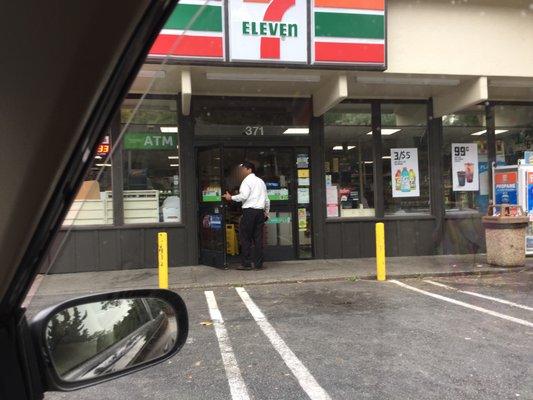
(162, 256)
(381, 274)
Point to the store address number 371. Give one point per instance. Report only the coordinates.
(254, 131)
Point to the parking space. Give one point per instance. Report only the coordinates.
(347, 340)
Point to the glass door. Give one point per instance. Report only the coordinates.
(276, 167)
(286, 172)
(211, 210)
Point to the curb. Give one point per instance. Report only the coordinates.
(363, 277)
(366, 277)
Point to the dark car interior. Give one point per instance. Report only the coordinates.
(65, 69)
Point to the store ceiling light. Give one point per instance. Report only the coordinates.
(168, 129)
(384, 80)
(342, 147)
(174, 165)
(369, 162)
(98, 157)
(496, 132)
(143, 73)
(102, 165)
(386, 157)
(233, 76)
(386, 132)
(296, 131)
(173, 157)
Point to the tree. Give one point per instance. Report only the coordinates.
(67, 327)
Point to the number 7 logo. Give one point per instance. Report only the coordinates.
(271, 46)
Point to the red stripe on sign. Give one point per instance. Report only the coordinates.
(350, 52)
(192, 46)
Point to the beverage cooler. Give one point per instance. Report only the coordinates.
(513, 184)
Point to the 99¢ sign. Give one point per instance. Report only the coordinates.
(404, 172)
(465, 173)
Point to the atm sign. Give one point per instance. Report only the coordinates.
(150, 141)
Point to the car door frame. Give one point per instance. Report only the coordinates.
(19, 373)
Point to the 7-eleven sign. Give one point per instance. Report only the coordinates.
(268, 30)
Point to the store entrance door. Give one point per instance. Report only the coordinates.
(287, 233)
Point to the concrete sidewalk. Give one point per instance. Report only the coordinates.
(276, 272)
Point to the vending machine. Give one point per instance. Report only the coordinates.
(525, 197)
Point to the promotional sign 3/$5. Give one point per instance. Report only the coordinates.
(404, 172)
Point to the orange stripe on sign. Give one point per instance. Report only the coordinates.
(358, 4)
(191, 46)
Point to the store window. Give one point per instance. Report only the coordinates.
(465, 161)
(151, 162)
(404, 136)
(349, 165)
(93, 203)
(255, 118)
(514, 132)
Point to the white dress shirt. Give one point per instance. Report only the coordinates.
(253, 194)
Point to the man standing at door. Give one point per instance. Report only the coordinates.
(255, 207)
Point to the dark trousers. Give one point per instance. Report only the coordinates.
(251, 235)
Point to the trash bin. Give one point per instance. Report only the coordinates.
(505, 231)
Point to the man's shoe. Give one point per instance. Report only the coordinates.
(260, 267)
(244, 267)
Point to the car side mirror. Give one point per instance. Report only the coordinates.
(88, 340)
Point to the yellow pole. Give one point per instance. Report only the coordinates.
(162, 256)
(380, 252)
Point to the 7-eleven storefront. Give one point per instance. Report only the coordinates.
(327, 98)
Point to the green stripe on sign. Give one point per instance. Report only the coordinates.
(361, 26)
(196, 18)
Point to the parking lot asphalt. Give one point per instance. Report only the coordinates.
(428, 338)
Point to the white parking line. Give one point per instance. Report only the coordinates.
(463, 304)
(483, 296)
(304, 377)
(233, 373)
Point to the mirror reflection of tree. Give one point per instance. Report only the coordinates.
(67, 327)
(136, 316)
(69, 340)
(107, 304)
